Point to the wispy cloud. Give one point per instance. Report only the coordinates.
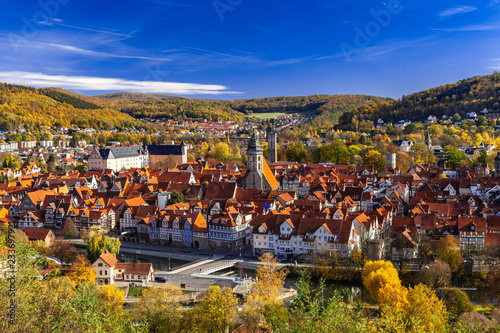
(58, 22)
(78, 50)
(218, 53)
(457, 10)
(493, 2)
(239, 51)
(88, 83)
(476, 27)
(372, 52)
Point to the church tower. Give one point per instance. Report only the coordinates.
(255, 164)
(428, 140)
(271, 145)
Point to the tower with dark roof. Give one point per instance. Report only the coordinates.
(428, 140)
(255, 158)
(271, 145)
(258, 174)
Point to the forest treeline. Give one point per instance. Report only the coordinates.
(36, 108)
(468, 95)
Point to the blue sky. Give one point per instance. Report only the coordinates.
(244, 49)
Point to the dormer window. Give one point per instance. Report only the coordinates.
(472, 228)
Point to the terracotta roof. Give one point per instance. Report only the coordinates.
(268, 174)
(37, 233)
(108, 258)
(135, 268)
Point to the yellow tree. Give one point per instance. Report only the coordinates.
(113, 296)
(382, 281)
(266, 290)
(159, 308)
(217, 311)
(222, 152)
(423, 304)
(81, 271)
(373, 157)
(270, 279)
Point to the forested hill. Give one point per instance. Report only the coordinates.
(55, 107)
(136, 97)
(330, 107)
(469, 95)
(37, 107)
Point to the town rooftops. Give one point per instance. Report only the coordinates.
(108, 258)
(165, 149)
(121, 152)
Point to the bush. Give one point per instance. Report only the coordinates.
(437, 275)
(474, 322)
(456, 301)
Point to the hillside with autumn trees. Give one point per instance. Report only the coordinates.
(468, 95)
(164, 107)
(58, 107)
(52, 107)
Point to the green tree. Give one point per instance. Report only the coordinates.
(483, 156)
(176, 197)
(311, 313)
(296, 152)
(336, 152)
(97, 243)
(456, 301)
(453, 156)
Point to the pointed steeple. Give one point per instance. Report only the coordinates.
(254, 144)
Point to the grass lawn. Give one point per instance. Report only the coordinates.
(268, 115)
(135, 292)
(484, 309)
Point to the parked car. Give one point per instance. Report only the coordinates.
(160, 279)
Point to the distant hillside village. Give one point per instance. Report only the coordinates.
(288, 209)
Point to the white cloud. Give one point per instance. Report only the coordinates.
(218, 53)
(88, 83)
(476, 27)
(457, 10)
(78, 50)
(55, 21)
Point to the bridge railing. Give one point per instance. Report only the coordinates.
(218, 267)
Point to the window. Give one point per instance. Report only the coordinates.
(100, 272)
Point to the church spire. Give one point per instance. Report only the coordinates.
(428, 140)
